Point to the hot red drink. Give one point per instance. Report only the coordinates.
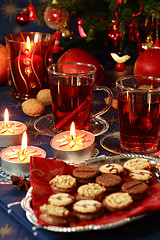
(72, 86)
(139, 119)
(71, 104)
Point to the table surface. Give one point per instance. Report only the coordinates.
(13, 221)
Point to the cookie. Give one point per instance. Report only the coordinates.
(142, 175)
(63, 183)
(111, 182)
(61, 199)
(54, 215)
(44, 96)
(85, 174)
(87, 209)
(92, 191)
(136, 164)
(137, 189)
(33, 107)
(117, 201)
(112, 168)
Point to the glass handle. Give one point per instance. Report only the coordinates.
(107, 107)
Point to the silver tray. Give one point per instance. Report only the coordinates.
(95, 162)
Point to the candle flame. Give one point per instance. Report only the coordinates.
(24, 142)
(6, 117)
(28, 45)
(72, 130)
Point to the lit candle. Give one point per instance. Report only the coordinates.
(29, 69)
(16, 159)
(11, 131)
(73, 146)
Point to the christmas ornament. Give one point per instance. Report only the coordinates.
(114, 35)
(56, 47)
(148, 43)
(22, 18)
(147, 63)
(80, 55)
(80, 28)
(4, 64)
(66, 33)
(32, 12)
(120, 60)
(56, 17)
(157, 44)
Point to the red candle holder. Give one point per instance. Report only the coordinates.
(28, 62)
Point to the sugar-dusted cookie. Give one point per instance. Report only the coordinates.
(136, 164)
(61, 199)
(85, 174)
(112, 168)
(111, 182)
(63, 183)
(142, 175)
(137, 189)
(117, 201)
(54, 215)
(33, 107)
(91, 191)
(44, 96)
(87, 209)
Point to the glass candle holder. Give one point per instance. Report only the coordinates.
(29, 53)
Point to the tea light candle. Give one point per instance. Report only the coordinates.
(73, 146)
(11, 131)
(16, 159)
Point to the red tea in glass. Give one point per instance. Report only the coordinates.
(139, 115)
(72, 87)
(71, 103)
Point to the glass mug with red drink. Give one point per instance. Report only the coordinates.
(72, 87)
(139, 112)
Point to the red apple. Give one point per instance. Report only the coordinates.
(3, 64)
(148, 63)
(82, 56)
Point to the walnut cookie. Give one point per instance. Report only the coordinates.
(87, 209)
(92, 191)
(117, 201)
(63, 183)
(54, 215)
(136, 164)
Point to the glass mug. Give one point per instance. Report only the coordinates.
(139, 112)
(72, 87)
(29, 54)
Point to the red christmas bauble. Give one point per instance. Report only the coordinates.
(148, 63)
(22, 18)
(82, 56)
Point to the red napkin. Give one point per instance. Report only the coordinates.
(42, 170)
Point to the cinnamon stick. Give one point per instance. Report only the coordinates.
(73, 113)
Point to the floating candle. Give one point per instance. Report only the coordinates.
(11, 131)
(73, 146)
(16, 159)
